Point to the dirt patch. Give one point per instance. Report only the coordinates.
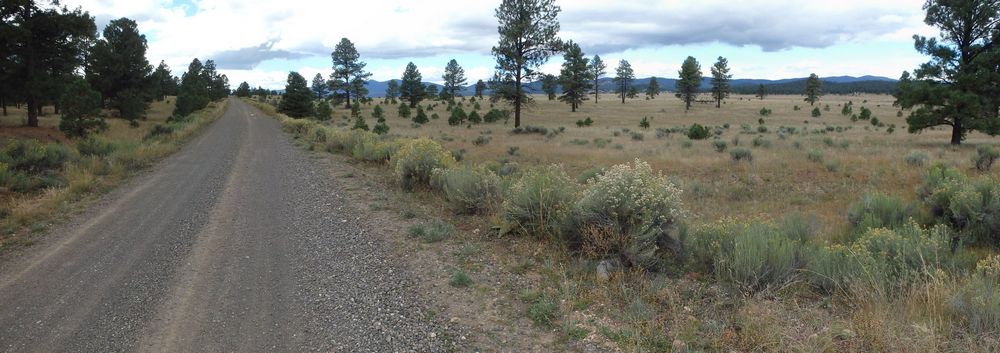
(42, 134)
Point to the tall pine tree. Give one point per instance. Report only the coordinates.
(297, 101)
(528, 37)
(454, 79)
(720, 81)
(814, 89)
(689, 81)
(574, 77)
(118, 68)
(623, 79)
(653, 89)
(550, 84)
(349, 73)
(597, 69)
(410, 88)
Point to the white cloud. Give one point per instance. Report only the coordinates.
(245, 32)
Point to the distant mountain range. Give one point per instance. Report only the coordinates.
(833, 85)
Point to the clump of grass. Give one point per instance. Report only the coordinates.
(985, 156)
(815, 155)
(917, 158)
(543, 310)
(720, 145)
(459, 279)
(832, 165)
(879, 210)
(741, 154)
(432, 232)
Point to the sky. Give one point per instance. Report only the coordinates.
(260, 41)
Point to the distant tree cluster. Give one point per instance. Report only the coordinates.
(52, 55)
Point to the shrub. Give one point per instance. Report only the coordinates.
(495, 115)
(367, 146)
(893, 260)
(469, 190)
(538, 202)
(543, 310)
(420, 117)
(644, 123)
(758, 258)
(879, 211)
(457, 117)
(764, 112)
(95, 146)
(760, 141)
(459, 279)
(971, 207)
(816, 113)
(741, 154)
(416, 160)
(917, 158)
(404, 111)
(697, 132)
(28, 155)
(626, 212)
(832, 165)
(381, 128)
(432, 232)
(720, 145)
(815, 155)
(296, 127)
(832, 268)
(475, 118)
(977, 302)
(985, 156)
(161, 130)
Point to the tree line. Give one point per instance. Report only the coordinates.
(52, 55)
(958, 87)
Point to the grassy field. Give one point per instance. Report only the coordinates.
(781, 178)
(816, 171)
(78, 170)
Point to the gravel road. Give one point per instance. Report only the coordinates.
(237, 243)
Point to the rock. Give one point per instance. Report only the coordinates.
(605, 268)
(678, 346)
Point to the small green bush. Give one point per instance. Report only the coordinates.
(416, 160)
(459, 279)
(720, 145)
(28, 155)
(917, 158)
(627, 212)
(985, 156)
(698, 132)
(741, 154)
(538, 202)
(893, 260)
(879, 211)
(815, 155)
(432, 232)
(469, 190)
(95, 146)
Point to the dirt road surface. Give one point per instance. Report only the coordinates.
(237, 243)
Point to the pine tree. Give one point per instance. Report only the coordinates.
(761, 91)
(323, 110)
(297, 102)
(597, 69)
(689, 81)
(623, 79)
(193, 92)
(480, 88)
(349, 73)
(574, 77)
(720, 81)
(454, 79)
(80, 110)
(421, 116)
(118, 68)
(959, 86)
(162, 82)
(653, 89)
(392, 90)
(528, 37)
(320, 87)
(411, 89)
(813, 89)
(550, 83)
(359, 123)
(243, 90)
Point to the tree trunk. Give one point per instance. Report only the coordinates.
(718, 103)
(32, 111)
(3, 102)
(596, 90)
(956, 133)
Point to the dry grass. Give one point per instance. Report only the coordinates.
(779, 180)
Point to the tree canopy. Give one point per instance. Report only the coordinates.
(411, 88)
(575, 76)
(960, 85)
(297, 101)
(623, 79)
(720, 81)
(454, 79)
(689, 81)
(349, 73)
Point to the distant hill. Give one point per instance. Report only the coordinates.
(831, 85)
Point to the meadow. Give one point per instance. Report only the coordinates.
(778, 231)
